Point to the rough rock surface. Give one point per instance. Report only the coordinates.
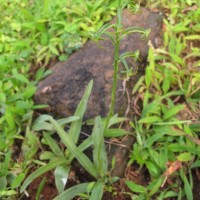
(63, 89)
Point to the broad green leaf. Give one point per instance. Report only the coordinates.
(39, 74)
(21, 78)
(167, 80)
(42, 125)
(76, 126)
(173, 93)
(185, 157)
(182, 148)
(61, 174)
(97, 191)
(47, 155)
(8, 193)
(169, 194)
(99, 149)
(169, 130)
(155, 186)
(9, 116)
(41, 171)
(72, 192)
(44, 39)
(148, 76)
(23, 104)
(63, 57)
(68, 120)
(173, 111)
(17, 180)
(153, 169)
(29, 92)
(135, 187)
(151, 119)
(115, 132)
(2, 97)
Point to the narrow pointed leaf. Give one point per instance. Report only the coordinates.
(72, 192)
(102, 30)
(99, 151)
(135, 187)
(97, 191)
(80, 156)
(41, 171)
(75, 128)
(53, 145)
(61, 174)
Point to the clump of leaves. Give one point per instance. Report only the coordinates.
(60, 159)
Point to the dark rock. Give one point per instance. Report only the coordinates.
(63, 89)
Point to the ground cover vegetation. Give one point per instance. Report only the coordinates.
(166, 127)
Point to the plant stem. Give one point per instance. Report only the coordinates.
(116, 59)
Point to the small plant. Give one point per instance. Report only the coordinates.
(60, 159)
(115, 37)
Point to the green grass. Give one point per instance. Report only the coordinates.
(167, 145)
(32, 34)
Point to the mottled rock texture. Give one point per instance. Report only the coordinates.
(63, 89)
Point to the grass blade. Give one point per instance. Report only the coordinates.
(41, 186)
(41, 171)
(72, 192)
(80, 156)
(97, 191)
(76, 126)
(53, 145)
(187, 186)
(99, 152)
